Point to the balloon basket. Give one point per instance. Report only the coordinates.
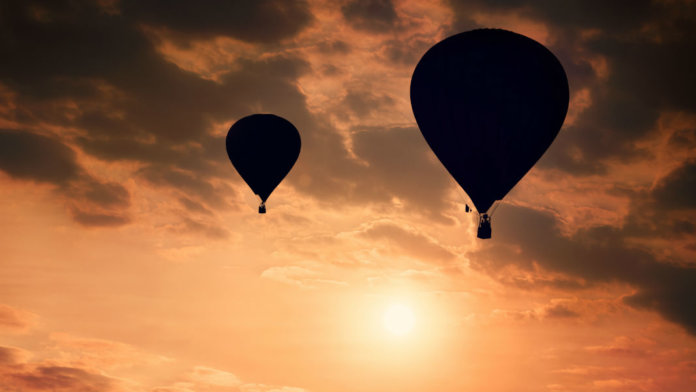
(484, 228)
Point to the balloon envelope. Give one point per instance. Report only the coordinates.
(263, 148)
(489, 102)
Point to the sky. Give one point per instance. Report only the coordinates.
(132, 256)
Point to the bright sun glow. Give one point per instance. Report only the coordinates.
(398, 320)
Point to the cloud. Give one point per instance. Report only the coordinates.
(625, 384)
(563, 310)
(161, 115)
(89, 83)
(208, 229)
(363, 103)
(128, 91)
(16, 320)
(102, 354)
(647, 56)
(407, 241)
(375, 16)
(625, 346)
(130, 104)
(207, 379)
(599, 255)
(74, 364)
(662, 216)
(264, 21)
(406, 51)
(29, 156)
(55, 378)
(560, 310)
(301, 277)
(194, 206)
(332, 47)
(79, 364)
(409, 172)
(186, 182)
(12, 356)
(213, 376)
(90, 219)
(576, 13)
(677, 191)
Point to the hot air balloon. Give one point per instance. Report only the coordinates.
(489, 102)
(263, 148)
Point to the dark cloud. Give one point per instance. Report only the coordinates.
(599, 255)
(194, 206)
(264, 21)
(330, 70)
(133, 104)
(56, 378)
(187, 182)
(58, 54)
(560, 311)
(683, 138)
(542, 282)
(96, 219)
(190, 165)
(407, 50)
(370, 15)
(666, 211)
(95, 203)
(18, 375)
(409, 171)
(108, 195)
(677, 190)
(29, 156)
(332, 47)
(261, 21)
(363, 103)
(90, 52)
(136, 106)
(648, 48)
(575, 13)
(646, 79)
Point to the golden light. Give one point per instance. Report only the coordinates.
(398, 320)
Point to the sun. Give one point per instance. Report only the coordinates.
(398, 320)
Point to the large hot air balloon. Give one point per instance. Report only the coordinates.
(263, 148)
(489, 102)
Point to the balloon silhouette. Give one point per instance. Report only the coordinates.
(263, 148)
(489, 103)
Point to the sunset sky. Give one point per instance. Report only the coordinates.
(132, 256)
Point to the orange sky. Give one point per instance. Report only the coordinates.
(132, 257)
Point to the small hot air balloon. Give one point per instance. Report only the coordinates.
(263, 148)
(489, 103)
